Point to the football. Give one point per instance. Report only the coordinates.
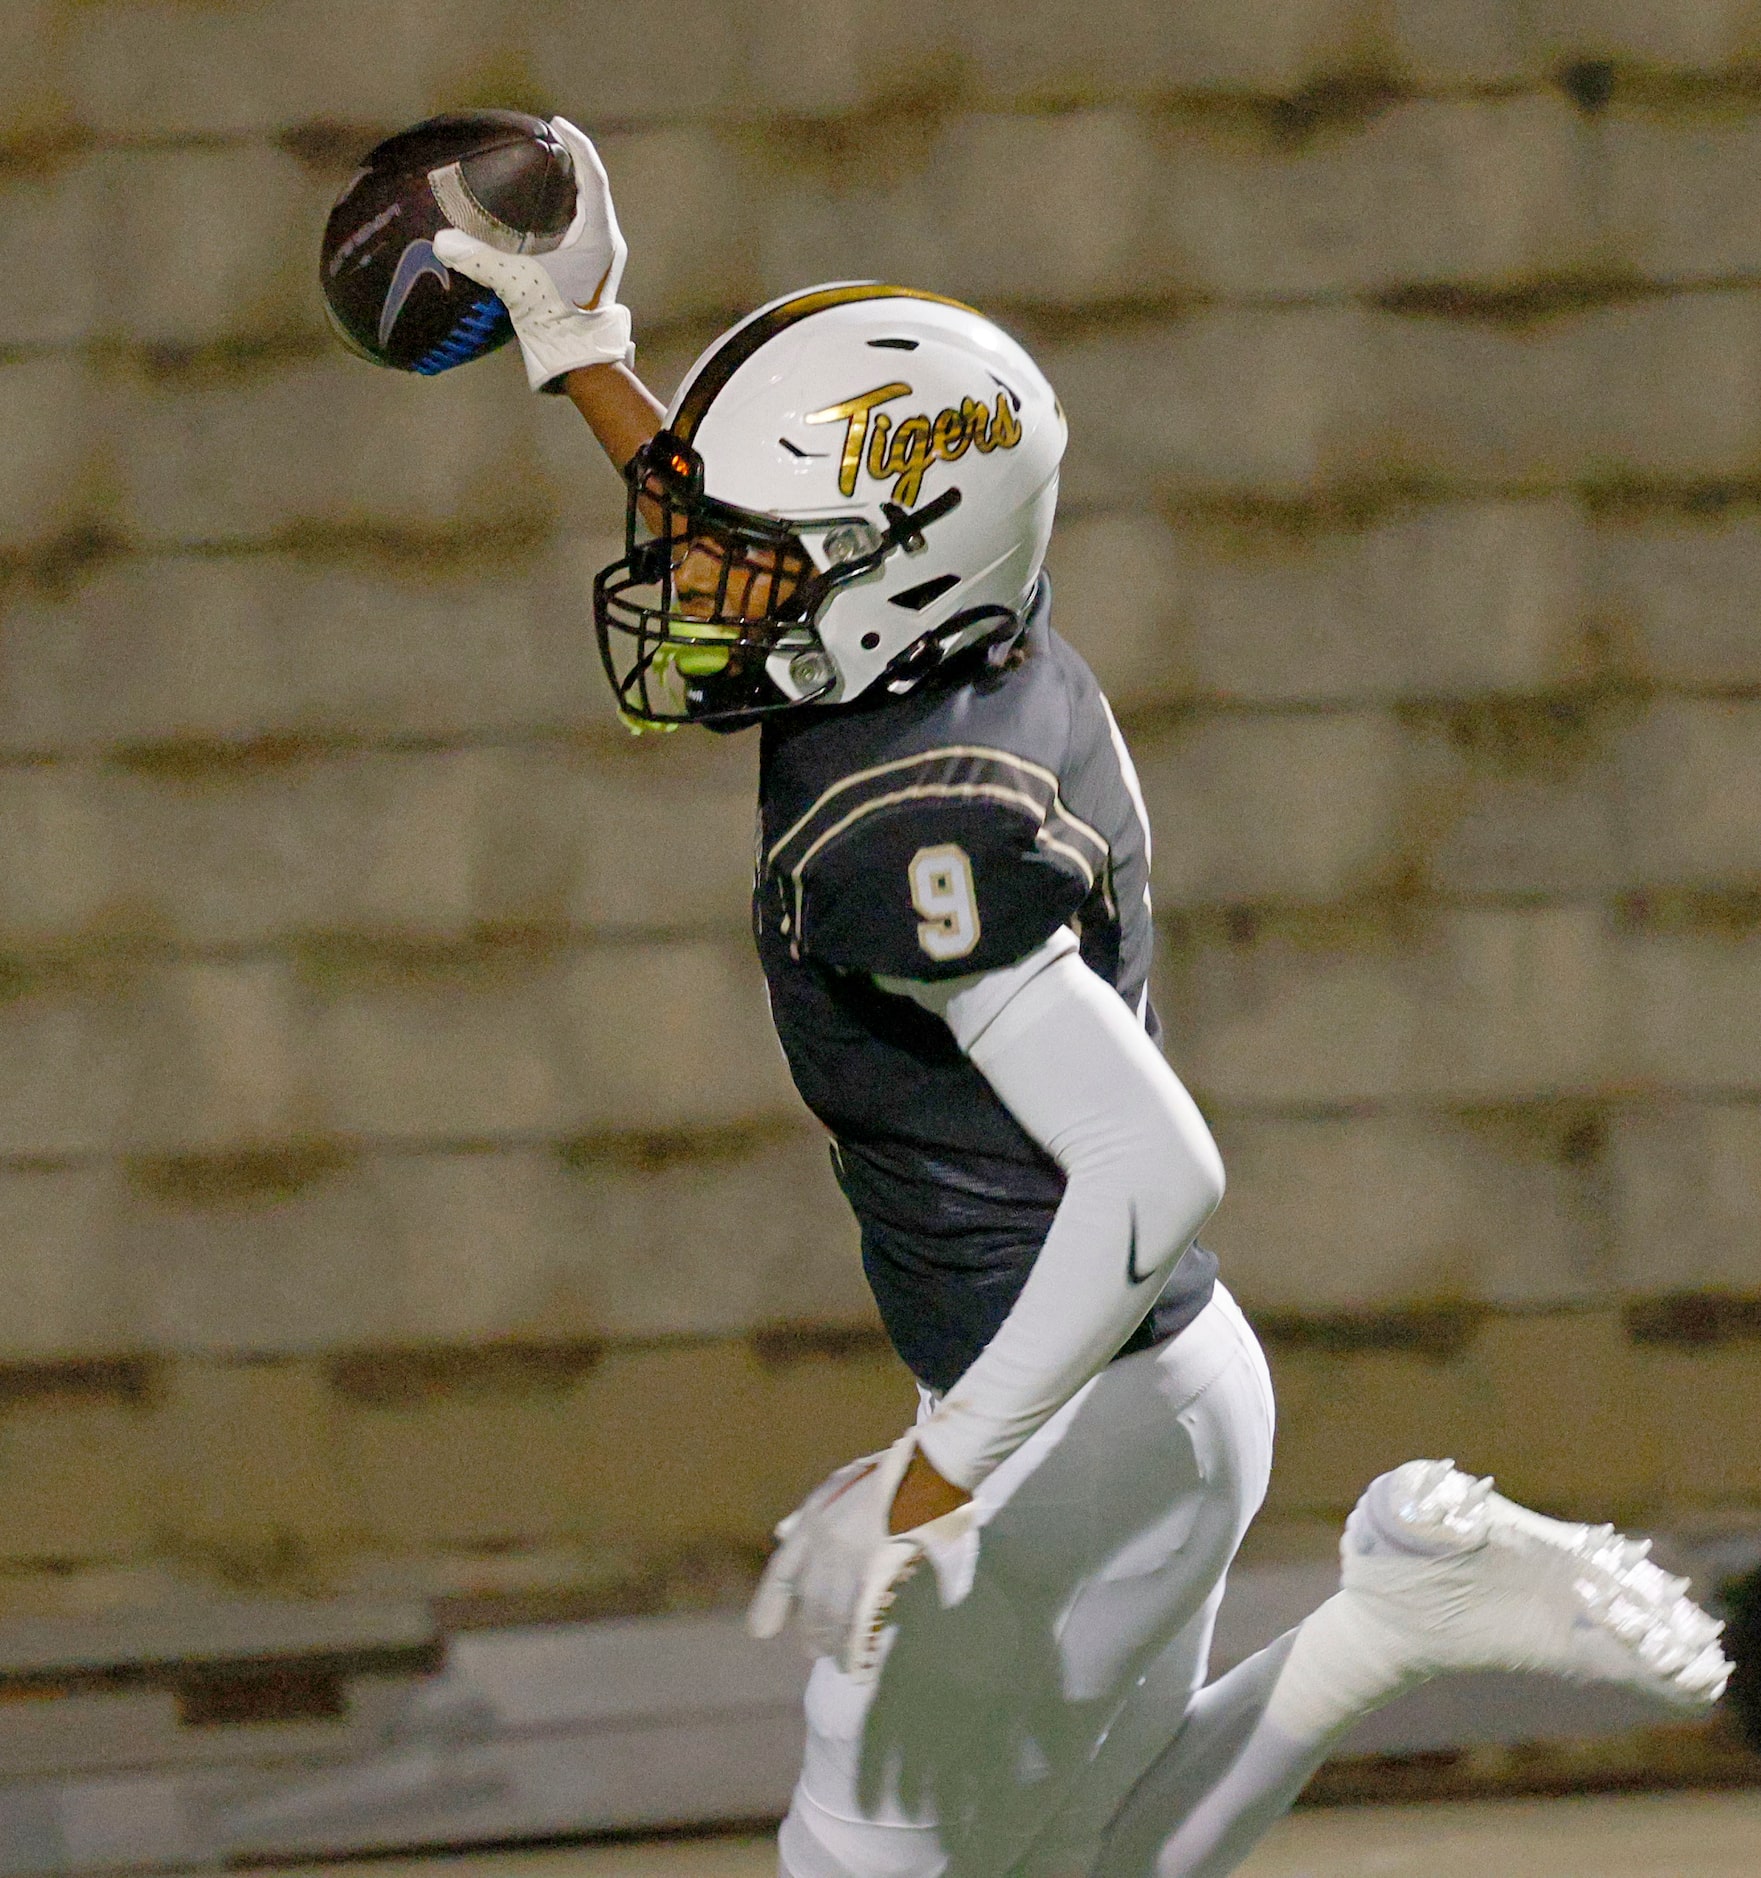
(498, 175)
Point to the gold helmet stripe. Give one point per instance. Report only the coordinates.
(745, 340)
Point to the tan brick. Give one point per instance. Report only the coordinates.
(144, 651)
(477, 1247)
(1651, 389)
(1687, 1198)
(65, 1291)
(391, 453)
(59, 870)
(259, 1254)
(221, 1064)
(725, 1240)
(1695, 1006)
(75, 1483)
(1484, 193)
(673, 1036)
(163, 649)
(40, 696)
(500, 649)
(946, 207)
(246, 1463)
(589, 495)
(1380, 1213)
(460, 1049)
(318, 1248)
(478, 1471)
(69, 1059)
(1568, 1414)
(1474, 402)
(1290, 402)
(1695, 34)
(1273, 1022)
(412, 834)
(810, 58)
(1444, 601)
(1684, 598)
(1257, 400)
(271, 63)
(1119, 596)
(619, 1244)
(411, 848)
(740, 1441)
(1520, 1003)
(1670, 386)
(599, 65)
(688, 256)
(212, 244)
(513, 1041)
(1480, 1005)
(1691, 784)
(1431, 602)
(1055, 48)
(1567, 1417)
(1439, 43)
(1294, 808)
(46, 451)
(1545, 1402)
(666, 836)
(33, 81)
(223, 855)
(51, 230)
(1679, 199)
(1516, 797)
(745, 1438)
(1702, 1403)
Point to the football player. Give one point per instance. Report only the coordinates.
(835, 534)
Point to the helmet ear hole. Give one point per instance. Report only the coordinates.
(870, 641)
(925, 593)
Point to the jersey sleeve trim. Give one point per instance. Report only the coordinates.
(954, 772)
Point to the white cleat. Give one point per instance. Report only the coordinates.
(1457, 1577)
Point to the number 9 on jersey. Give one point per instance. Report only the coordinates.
(942, 892)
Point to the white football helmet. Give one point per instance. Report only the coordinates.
(853, 485)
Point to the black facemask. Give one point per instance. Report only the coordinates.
(707, 593)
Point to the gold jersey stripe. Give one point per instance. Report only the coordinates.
(956, 752)
(745, 340)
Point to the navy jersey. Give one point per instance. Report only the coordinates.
(950, 831)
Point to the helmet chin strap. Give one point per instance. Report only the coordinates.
(995, 626)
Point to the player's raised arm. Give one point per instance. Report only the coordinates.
(573, 333)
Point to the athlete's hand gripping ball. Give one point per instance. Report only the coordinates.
(564, 304)
(838, 1567)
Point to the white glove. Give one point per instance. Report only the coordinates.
(838, 1568)
(547, 295)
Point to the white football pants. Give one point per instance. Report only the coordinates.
(1003, 1735)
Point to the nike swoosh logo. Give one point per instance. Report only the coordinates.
(416, 260)
(1131, 1272)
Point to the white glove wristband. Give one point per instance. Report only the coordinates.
(837, 1568)
(555, 337)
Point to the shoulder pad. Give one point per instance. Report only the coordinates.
(957, 860)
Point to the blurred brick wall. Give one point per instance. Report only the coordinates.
(398, 1181)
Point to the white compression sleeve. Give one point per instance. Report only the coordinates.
(1142, 1175)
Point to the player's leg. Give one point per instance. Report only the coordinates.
(1107, 1538)
(1439, 1573)
(1236, 1418)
